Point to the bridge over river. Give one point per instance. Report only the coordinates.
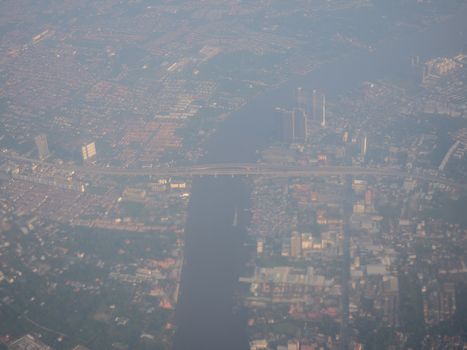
(249, 169)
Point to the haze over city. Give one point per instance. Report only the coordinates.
(236, 175)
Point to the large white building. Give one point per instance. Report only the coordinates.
(88, 151)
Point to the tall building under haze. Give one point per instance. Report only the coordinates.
(287, 125)
(315, 110)
(42, 146)
(300, 125)
(293, 125)
(364, 146)
(323, 111)
(318, 108)
(301, 100)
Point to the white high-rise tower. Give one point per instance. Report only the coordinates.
(364, 146)
(323, 120)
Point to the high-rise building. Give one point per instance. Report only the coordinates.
(318, 108)
(315, 105)
(301, 100)
(42, 147)
(88, 151)
(300, 125)
(364, 146)
(323, 112)
(287, 125)
(293, 125)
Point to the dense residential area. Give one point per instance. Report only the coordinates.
(296, 170)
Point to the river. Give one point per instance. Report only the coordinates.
(214, 250)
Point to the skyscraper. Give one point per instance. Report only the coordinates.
(315, 105)
(323, 113)
(319, 108)
(42, 146)
(300, 125)
(287, 125)
(293, 125)
(364, 146)
(301, 101)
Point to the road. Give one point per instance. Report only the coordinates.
(346, 257)
(247, 169)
